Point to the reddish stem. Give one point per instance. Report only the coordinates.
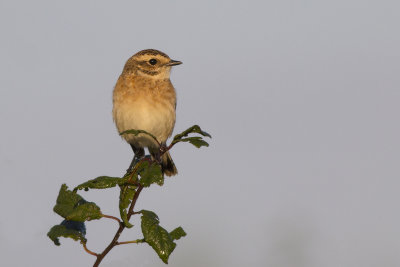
(89, 251)
(112, 217)
(121, 228)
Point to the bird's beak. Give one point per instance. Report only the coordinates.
(173, 63)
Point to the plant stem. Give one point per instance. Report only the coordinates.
(121, 228)
(89, 251)
(112, 217)
(135, 197)
(131, 242)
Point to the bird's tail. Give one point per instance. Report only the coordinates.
(168, 165)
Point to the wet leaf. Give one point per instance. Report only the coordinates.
(72, 206)
(150, 174)
(74, 225)
(197, 141)
(101, 182)
(125, 198)
(193, 129)
(75, 230)
(156, 236)
(85, 212)
(177, 233)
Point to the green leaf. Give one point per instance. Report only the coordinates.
(137, 132)
(78, 226)
(150, 174)
(85, 212)
(100, 183)
(72, 206)
(125, 198)
(177, 233)
(197, 141)
(193, 129)
(156, 236)
(67, 230)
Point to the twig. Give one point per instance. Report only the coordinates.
(112, 217)
(89, 251)
(131, 242)
(165, 149)
(131, 212)
(135, 197)
(121, 228)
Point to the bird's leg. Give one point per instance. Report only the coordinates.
(163, 148)
(139, 154)
(156, 154)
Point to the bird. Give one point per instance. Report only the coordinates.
(145, 99)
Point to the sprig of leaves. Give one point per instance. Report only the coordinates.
(101, 182)
(76, 210)
(157, 237)
(197, 141)
(68, 229)
(150, 173)
(73, 207)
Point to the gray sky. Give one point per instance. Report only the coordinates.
(301, 97)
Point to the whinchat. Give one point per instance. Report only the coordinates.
(145, 99)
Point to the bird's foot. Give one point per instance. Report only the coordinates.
(134, 161)
(157, 158)
(163, 149)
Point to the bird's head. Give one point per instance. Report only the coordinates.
(151, 63)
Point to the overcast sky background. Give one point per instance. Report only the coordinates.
(301, 98)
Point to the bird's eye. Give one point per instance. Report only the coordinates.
(153, 61)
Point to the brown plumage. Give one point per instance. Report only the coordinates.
(145, 99)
